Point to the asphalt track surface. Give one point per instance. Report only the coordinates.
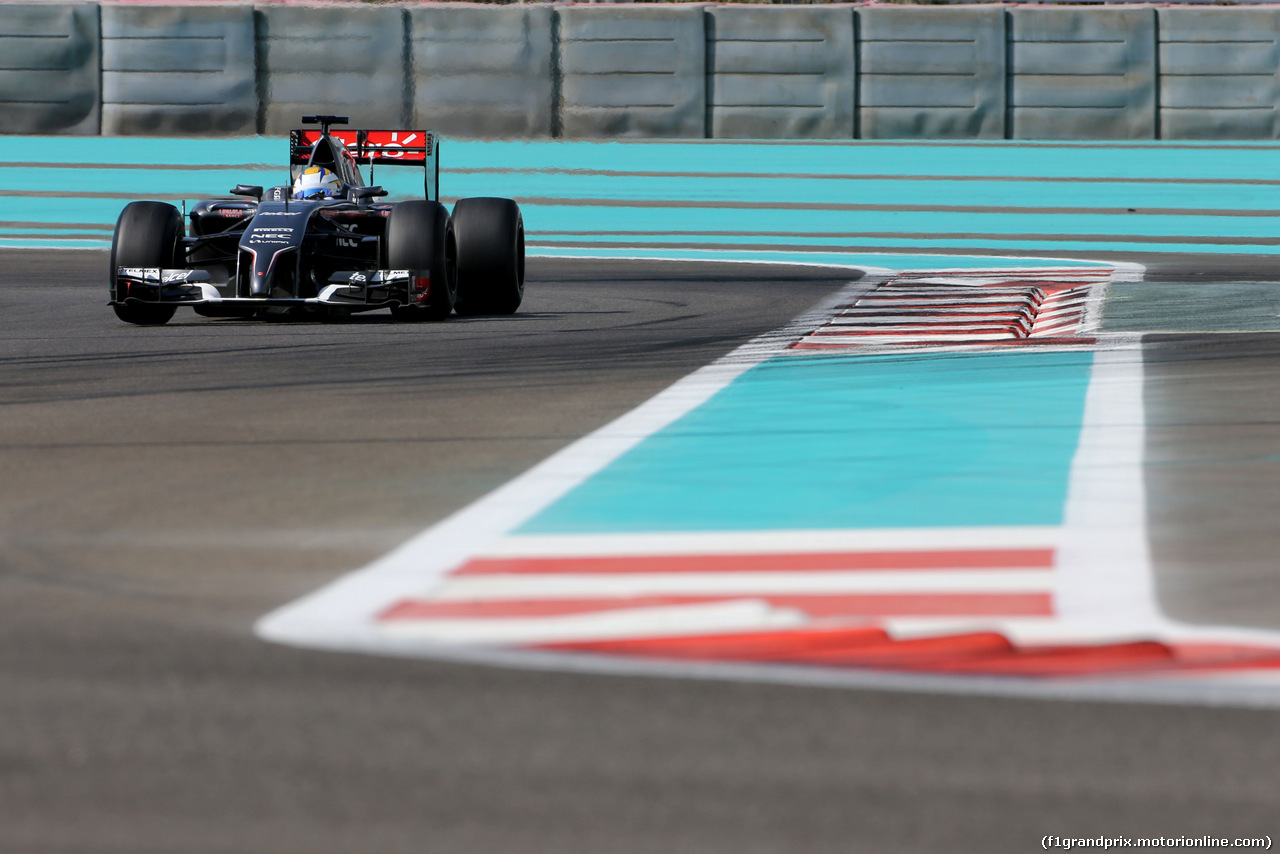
(163, 488)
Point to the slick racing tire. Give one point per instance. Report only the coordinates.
(148, 234)
(419, 236)
(490, 234)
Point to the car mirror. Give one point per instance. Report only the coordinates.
(368, 192)
(247, 190)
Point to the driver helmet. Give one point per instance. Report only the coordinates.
(317, 182)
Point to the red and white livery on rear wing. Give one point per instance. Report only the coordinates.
(377, 147)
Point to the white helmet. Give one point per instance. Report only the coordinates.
(316, 181)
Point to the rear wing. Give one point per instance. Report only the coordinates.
(377, 147)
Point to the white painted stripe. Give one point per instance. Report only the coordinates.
(833, 582)
(1091, 316)
(948, 314)
(1125, 271)
(1044, 344)
(1103, 629)
(896, 290)
(961, 286)
(930, 312)
(854, 341)
(1105, 560)
(951, 317)
(1021, 631)
(896, 301)
(816, 541)
(862, 330)
(678, 620)
(1071, 313)
(1056, 326)
(961, 279)
(1057, 331)
(896, 325)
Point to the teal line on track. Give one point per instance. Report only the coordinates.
(827, 441)
(1246, 160)
(854, 259)
(1018, 213)
(577, 218)
(1007, 159)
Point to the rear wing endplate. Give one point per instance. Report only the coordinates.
(378, 147)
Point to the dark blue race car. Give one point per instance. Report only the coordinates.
(324, 245)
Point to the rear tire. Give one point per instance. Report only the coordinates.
(419, 236)
(490, 234)
(148, 234)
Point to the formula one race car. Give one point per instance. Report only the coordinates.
(323, 245)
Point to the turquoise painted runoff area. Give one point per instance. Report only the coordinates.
(820, 202)
(852, 442)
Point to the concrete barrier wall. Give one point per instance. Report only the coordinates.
(333, 59)
(168, 70)
(49, 68)
(933, 72)
(478, 71)
(781, 72)
(661, 70)
(1218, 73)
(1082, 73)
(632, 71)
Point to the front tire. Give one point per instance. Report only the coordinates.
(148, 234)
(419, 236)
(490, 234)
